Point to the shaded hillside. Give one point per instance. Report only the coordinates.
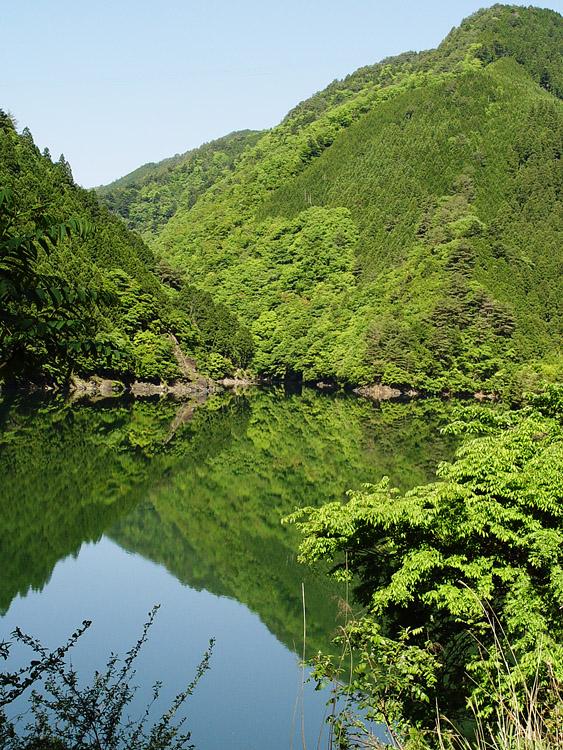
(404, 224)
(150, 196)
(79, 292)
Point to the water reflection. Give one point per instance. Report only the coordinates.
(200, 492)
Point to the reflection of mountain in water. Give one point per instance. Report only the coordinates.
(206, 497)
(67, 473)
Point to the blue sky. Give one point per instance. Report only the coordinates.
(114, 84)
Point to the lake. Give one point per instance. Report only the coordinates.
(107, 509)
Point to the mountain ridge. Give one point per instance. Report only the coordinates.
(80, 294)
(402, 226)
(150, 195)
(431, 287)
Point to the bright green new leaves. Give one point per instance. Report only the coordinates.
(447, 163)
(148, 197)
(154, 357)
(487, 536)
(300, 289)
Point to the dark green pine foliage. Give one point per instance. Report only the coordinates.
(80, 293)
(404, 224)
(148, 197)
(41, 315)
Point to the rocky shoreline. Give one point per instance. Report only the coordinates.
(100, 388)
(96, 388)
(379, 392)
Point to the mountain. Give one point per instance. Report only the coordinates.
(151, 195)
(404, 224)
(79, 292)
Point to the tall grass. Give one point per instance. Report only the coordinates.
(526, 716)
(527, 713)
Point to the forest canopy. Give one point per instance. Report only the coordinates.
(460, 580)
(401, 226)
(81, 294)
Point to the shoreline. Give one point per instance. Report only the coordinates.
(97, 387)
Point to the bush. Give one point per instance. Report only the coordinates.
(154, 357)
(431, 564)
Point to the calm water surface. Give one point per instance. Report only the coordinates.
(108, 509)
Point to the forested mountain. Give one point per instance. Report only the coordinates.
(404, 224)
(81, 293)
(149, 196)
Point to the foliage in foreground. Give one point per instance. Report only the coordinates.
(42, 322)
(67, 714)
(432, 564)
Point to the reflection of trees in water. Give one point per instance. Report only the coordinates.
(201, 492)
(69, 472)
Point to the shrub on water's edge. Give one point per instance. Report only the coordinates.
(431, 565)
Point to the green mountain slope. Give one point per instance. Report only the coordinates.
(404, 224)
(148, 197)
(90, 301)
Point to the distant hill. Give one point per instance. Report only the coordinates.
(150, 195)
(403, 225)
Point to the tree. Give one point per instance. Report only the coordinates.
(436, 567)
(45, 321)
(68, 714)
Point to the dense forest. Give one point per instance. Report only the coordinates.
(461, 586)
(403, 225)
(80, 293)
(151, 195)
(400, 227)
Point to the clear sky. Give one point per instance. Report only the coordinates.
(113, 84)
